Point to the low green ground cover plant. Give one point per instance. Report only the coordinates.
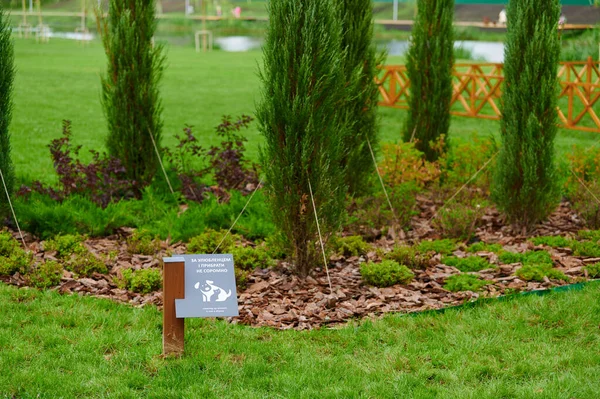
(552, 241)
(349, 246)
(409, 256)
(484, 247)
(143, 281)
(386, 273)
(528, 257)
(85, 264)
(143, 242)
(45, 274)
(593, 270)
(12, 257)
(465, 282)
(444, 246)
(207, 242)
(537, 272)
(66, 245)
(459, 219)
(468, 264)
(249, 258)
(586, 248)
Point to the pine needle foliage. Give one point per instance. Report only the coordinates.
(302, 91)
(360, 67)
(525, 181)
(130, 95)
(7, 72)
(429, 66)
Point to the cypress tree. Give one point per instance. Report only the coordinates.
(429, 66)
(302, 90)
(525, 183)
(130, 96)
(360, 68)
(7, 73)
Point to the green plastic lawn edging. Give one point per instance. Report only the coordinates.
(483, 301)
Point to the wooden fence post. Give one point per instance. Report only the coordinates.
(173, 288)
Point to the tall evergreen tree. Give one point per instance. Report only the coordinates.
(430, 60)
(525, 183)
(130, 95)
(302, 90)
(360, 67)
(7, 73)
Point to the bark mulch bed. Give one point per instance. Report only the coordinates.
(277, 298)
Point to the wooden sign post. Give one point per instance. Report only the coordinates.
(195, 286)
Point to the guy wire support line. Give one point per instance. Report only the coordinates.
(238, 217)
(12, 209)
(312, 198)
(160, 162)
(381, 181)
(465, 185)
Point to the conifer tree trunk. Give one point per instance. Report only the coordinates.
(525, 184)
(302, 90)
(130, 96)
(7, 72)
(429, 66)
(360, 66)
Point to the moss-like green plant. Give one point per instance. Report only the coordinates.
(552, 241)
(386, 273)
(592, 235)
(510, 257)
(593, 270)
(66, 245)
(465, 282)
(85, 264)
(468, 264)
(586, 248)
(12, 257)
(143, 242)
(529, 257)
(444, 247)
(350, 246)
(408, 256)
(142, 281)
(208, 241)
(45, 275)
(484, 247)
(249, 258)
(537, 272)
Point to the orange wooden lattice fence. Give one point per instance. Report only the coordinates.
(478, 88)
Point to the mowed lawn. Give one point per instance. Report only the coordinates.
(54, 346)
(61, 80)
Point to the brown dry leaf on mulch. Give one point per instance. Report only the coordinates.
(277, 298)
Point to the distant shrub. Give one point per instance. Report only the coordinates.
(459, 219)
(465, 282)
(143, 281)
(85, 264)
(552, 241)
(537, 272)
(445, 246)
(386, 273)
(403, 163)
(349, 246)
(593, 270)
(208, 241)
(250, 258)
(408, 256)
(484, 247)
(143, 242)
(468, 264)
(46, 274)
(66, 245)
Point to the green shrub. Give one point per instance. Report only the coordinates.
(529, 257)
(143, 281)
(459, 220)
(552, 241)
(250, 258)
(429, 64)
(85, 264)
(349, 246)
(526, 187)
(593, 270)
(46, 274)
(66, 245)
(208, 241)
(510, 257)
(408, 256)
(7, 73)
(8, 245)
(592, 235)
(445, 246)
(143, 242)
(586, 248)
(465, 282)
(386, 273)
(19, 261)
(484, 247)
(537, 272)
(468, 264)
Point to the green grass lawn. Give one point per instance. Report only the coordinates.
(61, 80)
(54, 346)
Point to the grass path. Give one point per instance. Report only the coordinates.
(530, 347)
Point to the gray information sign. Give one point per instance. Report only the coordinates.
(209, 287)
